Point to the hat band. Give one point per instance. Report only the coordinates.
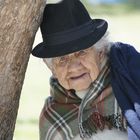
(70, 35)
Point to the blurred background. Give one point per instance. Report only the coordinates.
(123, 17)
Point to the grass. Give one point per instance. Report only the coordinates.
(123, 27)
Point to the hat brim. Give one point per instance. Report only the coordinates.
(43, 50)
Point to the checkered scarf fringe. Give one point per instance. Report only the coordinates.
(64, 106)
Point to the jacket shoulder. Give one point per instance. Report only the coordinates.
(119, 46)
(126, 59)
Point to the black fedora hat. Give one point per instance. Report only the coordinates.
(66, 28)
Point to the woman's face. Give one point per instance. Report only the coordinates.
(77, 70)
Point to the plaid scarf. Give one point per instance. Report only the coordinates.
(69, 115)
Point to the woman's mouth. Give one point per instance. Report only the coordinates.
(79, 81)
(78, 77)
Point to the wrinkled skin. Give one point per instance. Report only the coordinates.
(77, 70)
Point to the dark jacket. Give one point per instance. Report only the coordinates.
(125, 81)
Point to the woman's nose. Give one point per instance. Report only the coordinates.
(74, 64)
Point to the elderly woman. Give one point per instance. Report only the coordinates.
(88, 74)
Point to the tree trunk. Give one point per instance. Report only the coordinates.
(19, 21)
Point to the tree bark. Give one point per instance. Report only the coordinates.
(19, 21)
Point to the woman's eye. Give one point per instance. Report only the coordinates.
(81, 53)
(63, 59)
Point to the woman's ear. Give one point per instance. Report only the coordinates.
(101, 55)
(101, 58)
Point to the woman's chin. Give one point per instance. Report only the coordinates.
(81, 83)
(80, 86)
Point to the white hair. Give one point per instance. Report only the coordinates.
(102, 45)
(48, 62)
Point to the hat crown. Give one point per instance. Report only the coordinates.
(66, 28)
(63, 16)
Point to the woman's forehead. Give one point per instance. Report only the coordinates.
(86, 50)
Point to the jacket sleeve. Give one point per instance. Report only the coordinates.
(133, 57)
(125, 81)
